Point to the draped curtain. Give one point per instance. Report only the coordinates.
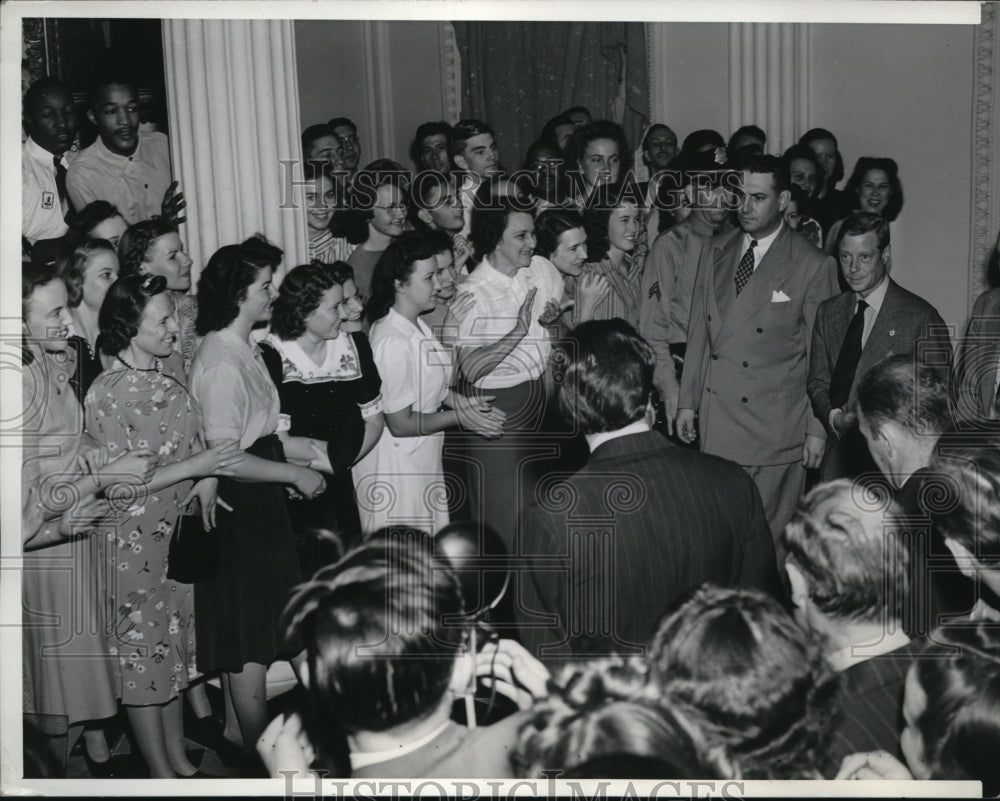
(517, 75)
(233, 106)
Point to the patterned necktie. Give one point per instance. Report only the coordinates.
(60, 178)
(745, 268)
(847, 359)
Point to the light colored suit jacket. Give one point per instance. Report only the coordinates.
(906, 323)
(976, 367)
(748, 356)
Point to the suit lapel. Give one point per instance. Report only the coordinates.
(881, 340)
(773, 271)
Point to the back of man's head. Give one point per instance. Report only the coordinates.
(382, 629)
(608, 377)
(913, 396)
(853, 565)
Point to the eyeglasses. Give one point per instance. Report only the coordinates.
(394, 207)
(350, 140)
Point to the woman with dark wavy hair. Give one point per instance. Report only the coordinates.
(238, 610)
(756, 685)
(602, 158)
(331, 392)
(142, 401)
(875, 188)
(402, 480)
(616, 250)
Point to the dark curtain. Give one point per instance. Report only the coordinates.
(517, 75)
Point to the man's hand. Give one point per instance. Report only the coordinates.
(513, 671)
(812, 451)
(173, 204)
(285, 746)
(686, 428)
(842, 421)
(873, 765)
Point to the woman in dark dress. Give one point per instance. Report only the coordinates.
(238, 611)
(331, 391)
(88, 272)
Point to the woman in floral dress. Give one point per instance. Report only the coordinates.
(141, 401)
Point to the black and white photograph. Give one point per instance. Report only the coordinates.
(485, 399)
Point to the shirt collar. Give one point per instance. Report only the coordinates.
(763, 243)
(857, 653)
(104, 152)
(39, 153)
(361, 759)
(596, 440)
(701, 226)
(876, 297)
(491, 273)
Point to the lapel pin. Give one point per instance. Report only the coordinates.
(892, 332)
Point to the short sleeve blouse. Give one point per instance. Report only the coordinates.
(237, 396)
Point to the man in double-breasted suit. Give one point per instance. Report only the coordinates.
(749, 334)
(875, 319)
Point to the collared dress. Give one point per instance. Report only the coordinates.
(239, 610)
(401, 481)
(70, 672)
(331, 402)
(152, 616)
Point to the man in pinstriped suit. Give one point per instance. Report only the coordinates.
(605, 551)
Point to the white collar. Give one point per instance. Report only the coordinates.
(340, 360)
(360, 759)
(763, 243)
(876, 297)
(594, 441)
(856, 653)
(39, 153)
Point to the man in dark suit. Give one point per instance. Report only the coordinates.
(904, 416)
(606, 550)
(848, 573)
(749, 334)
(855, 330)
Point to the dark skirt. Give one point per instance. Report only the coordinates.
(237, 613)
(328, 526)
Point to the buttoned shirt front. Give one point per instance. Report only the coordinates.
(874, 300)
(42, 215)
(498, 298)
(134, 184)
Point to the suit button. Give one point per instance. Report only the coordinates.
(744, 400)
(746, 364)
(710, 317)
(760, 330)
(715, 357)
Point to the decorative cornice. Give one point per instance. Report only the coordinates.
(985, 160)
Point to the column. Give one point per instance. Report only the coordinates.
(233, 108)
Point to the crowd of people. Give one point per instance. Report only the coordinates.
(615, 470)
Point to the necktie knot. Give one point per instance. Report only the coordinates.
(745, 268)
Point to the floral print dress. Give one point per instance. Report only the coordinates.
(153, 616)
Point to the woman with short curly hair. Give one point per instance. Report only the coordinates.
(238, 609)
(616, 250)
(142, 401)
(154, 247)
(331, 391)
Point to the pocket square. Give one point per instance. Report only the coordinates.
(779, 297)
